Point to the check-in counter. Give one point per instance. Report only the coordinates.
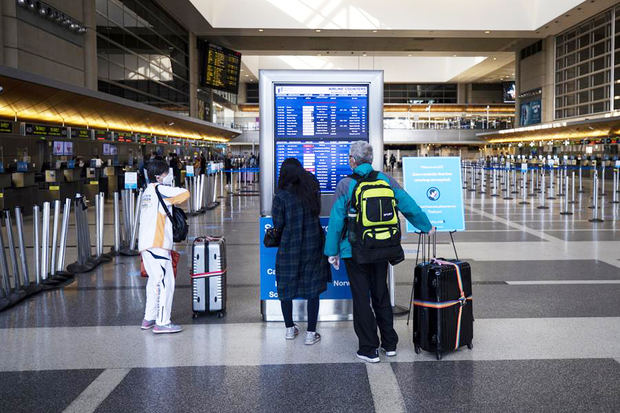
(55, 186)
(114, 175)
(6, 181)
(73, 175)
(22, 179)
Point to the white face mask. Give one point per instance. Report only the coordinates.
(168, 180)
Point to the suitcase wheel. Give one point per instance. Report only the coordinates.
(470, 345)
(417, 349)
(220, 314)
(438, 354)
(195, 315)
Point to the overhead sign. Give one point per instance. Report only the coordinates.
(337, 289)
(220, 68)
(435, 184)
(44, 130)
(6, 127)
(80, 133)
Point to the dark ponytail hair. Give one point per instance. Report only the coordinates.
(295, 179)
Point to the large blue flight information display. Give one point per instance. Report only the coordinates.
(317, 124)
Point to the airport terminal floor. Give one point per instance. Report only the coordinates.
(546, 334)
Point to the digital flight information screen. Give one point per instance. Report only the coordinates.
(317, 124)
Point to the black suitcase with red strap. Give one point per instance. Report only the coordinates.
(443, 317)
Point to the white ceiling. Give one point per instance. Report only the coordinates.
(450, 15)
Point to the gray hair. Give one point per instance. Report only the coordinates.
(361, 151)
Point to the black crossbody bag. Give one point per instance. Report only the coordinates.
(177, 218)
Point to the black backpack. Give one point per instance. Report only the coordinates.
(178, 219)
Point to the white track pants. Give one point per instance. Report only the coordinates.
(160, 286)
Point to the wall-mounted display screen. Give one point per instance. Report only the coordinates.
(510, 92)
(321, 112)
(316, 124)
(220, 68)
(328, 161)
(530, 113)
(61, 148)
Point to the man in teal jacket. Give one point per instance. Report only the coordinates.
(368, 279)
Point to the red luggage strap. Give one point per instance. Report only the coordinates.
(211, 273)
(208, 274)
(445, 304)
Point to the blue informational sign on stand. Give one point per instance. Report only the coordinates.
(337, 289)
(435, 184)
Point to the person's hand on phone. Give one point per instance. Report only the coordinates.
(334, 261)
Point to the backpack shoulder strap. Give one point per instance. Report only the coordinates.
(163, 204)
(355, 177)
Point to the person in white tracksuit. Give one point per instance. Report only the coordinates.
(155, 243)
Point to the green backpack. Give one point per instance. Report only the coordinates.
(373, 225)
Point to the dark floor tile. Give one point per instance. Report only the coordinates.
(510, 386)
(273, 388)
(42, 391)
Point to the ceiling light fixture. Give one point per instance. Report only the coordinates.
(487, 32)
(261, 30)
(317, 30)
(374, 31)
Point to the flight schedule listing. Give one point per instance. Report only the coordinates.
(322, 112)
(328, 161)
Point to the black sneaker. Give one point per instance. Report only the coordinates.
(389, 353)
(372, 357)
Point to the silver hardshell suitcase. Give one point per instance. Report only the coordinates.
(209, 276)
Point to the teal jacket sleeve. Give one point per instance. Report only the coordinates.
(336, 219)
(410, 209)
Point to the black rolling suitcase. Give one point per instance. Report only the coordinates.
(208, 276)
(443, 317)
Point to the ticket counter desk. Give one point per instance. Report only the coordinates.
(114, 175)
(56, 186)
(95, 182)
(23, 191)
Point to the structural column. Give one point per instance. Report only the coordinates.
(90, 44)
(193, 75)
(8, 36)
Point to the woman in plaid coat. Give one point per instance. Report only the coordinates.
(302, 270)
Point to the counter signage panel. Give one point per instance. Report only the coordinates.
(44, 130)
(80, 133)
(321, 112)
(6, 127)
(221, 68)
(102, 135)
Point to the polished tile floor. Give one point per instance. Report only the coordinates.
(547, 330)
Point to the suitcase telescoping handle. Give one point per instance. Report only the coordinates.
(429, 241)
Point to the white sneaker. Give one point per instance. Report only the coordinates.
(291, 332)
(389, 353)
(312, 338)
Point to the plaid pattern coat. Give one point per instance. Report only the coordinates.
(302, 270)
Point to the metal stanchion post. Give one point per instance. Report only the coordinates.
(532, 187)
(507, 186)
(45, 241)
(37, 245)
(572, 187)
(580, 180)
(117, 229)
(560, 180)
(4, 267)
(595, 217)
(473, 180)
(566, 211)
(221, 183)
(524, 188)
(483, 181)
(603, 193)
(514, 181)
(97, 226)
(614, 189)
(11, 244)
(62, 248)
(542, 193)
(19, 223)
(52, 267)
(134, 232)
(494, 177)
(102, 220)
(551, 188)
